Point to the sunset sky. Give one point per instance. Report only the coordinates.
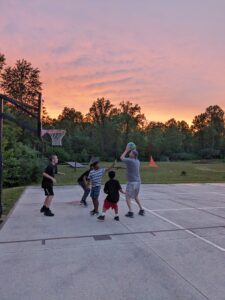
(166, 55)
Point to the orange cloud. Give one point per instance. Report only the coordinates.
(152, 56)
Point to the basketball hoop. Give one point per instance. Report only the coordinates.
(55, 134)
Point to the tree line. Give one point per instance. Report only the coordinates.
(106, 129)
(103, 131)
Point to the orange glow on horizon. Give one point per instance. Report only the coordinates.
(151, 115)
(170, 64)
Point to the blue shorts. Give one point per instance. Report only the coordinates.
(95, 191)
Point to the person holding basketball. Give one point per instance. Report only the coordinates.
(130, 158)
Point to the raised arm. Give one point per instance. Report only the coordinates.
(110, 168)
(125, 153)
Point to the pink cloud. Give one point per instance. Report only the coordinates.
(172, 64)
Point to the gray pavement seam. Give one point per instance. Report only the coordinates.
(153, 232)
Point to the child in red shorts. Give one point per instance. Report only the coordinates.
(112, 189)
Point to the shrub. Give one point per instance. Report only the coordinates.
(60, 152)
(164, 158)
(209, 153)
(21, 166)
(183, 156)
(84, 156)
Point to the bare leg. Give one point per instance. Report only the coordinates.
(116, 211)
(96, 204)
(103, 211)
(48, 201)
(138, 202)
(129, 204)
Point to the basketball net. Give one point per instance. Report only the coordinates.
(55, 134)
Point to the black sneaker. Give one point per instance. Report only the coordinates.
(93, 213)
(130, 214)
(141, 212)
(42, 210)
(48, 213)
(83, 203)
(117, 218)
(101, 218)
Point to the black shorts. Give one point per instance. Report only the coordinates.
(48, 190)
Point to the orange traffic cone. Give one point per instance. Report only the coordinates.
(152, 163)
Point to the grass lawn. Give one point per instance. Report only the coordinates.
(168, 172)
(10, 196)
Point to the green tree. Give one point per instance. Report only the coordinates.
(198, 125)
(173, 137)
(215, 120)
(99, 115)
(70, 119)
(208, 128)
(2, 62)
(187, 138)
(131, 118)
(100, 110)
(155, 139)
(72, 115)
(22, 82)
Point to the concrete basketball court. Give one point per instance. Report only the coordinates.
(177, 251)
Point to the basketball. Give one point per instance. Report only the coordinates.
(131, 146)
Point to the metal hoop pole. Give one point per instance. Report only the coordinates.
(39, 114)
(1, 155)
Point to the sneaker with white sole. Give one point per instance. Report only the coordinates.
(94, 213)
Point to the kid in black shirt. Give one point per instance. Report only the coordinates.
(47, 184)
(112, 189)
